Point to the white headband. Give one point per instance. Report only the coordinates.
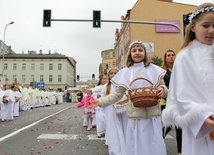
(198, 12)
(136, 42)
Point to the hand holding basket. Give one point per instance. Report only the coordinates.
(145, 96)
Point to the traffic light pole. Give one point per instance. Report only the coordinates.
(124, 21)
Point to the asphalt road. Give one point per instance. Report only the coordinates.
(55, 130)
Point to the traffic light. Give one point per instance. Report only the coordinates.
(93, 76)
(47, 18)
(96, 19)
(78, 77)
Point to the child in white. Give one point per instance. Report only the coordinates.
(100, 114)
(17, 95)
(144, 129)
(9, 106)
(116, 119)
(190, 102)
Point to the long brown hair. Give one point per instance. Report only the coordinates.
(108, 86)
(100, 79)
(190, 35)
(166, 64)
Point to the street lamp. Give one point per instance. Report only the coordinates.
(4, 48)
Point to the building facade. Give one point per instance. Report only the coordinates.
(55, 70)
(108, 60)
(157, 38)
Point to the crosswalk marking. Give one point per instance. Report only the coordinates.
(94, 137)
(57, 136)
(75, 137)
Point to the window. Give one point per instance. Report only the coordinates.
(50, 78)
(23, 66)
(23, 78)
(59, 78)
(33, 67)
(14, 66)
(50, 66)
(32, 77)
(41, 67)
(59, 66)
(107, 66)
(113, 54)
(106, 56)
(14, 78)
(5, 66)
(41, 78)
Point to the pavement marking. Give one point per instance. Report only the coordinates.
(26, 127)
(57, 136)
(68, 137)
(94, 137)
(76, 137)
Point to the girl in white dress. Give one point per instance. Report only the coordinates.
(100, 114)
(17, 95)
(9, 106)
(144, 129)
(190, 102)
(116, 119)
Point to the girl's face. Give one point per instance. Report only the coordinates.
(137, 53)
(112, 73)
(204, 28)
(170, 57)
(104, 80)
(88, 93)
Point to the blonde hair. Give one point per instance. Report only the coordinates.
(190, 35)
(129, 60)
(88, 91)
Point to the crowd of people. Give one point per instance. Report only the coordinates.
(15, 98)
(178, 95)
(134, 108)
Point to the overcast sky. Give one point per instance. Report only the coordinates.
(74, 39)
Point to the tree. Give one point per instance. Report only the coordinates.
(157, 61)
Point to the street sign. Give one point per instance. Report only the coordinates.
(40, 85)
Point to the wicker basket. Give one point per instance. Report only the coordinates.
(144, 96)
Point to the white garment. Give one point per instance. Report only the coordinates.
(191, 97)
(116, 125)
(143, 136)
(17, 94)
(100, 114)
(9, 107)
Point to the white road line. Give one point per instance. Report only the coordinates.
(57, 136)
(67, 137)
(94, 137)
(26, 127)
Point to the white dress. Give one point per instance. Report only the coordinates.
(9, 107)
(143, 136)
(191, 97)
(100, 114)
(17, 94)
(116, 124)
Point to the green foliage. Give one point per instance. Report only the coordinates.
(157, 61)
